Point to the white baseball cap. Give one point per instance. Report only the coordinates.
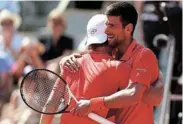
(96, 30)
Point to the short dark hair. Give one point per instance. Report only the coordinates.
(125, 10)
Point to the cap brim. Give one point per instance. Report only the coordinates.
(99, 39)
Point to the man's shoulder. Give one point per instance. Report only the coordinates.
(147, 52)
(142, 54)
(146, 56)
(142, 50)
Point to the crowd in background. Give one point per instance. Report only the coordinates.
(19, 53)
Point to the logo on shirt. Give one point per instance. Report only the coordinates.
(141, 69)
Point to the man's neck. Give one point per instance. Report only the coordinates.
(123, 47)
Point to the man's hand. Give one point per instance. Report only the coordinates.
(70, 62)
(82, 108)
(160, 82)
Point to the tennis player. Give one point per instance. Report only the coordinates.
(121, 22)
(99, 74)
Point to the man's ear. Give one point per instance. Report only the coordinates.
(129, 28)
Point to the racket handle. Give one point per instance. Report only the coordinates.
(99, 119)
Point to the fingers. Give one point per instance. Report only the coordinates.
(81, 109)
(75, 112)
(160, 75)
(69, 65)
(77, 65)
(77, 55)
(72, 111)
(160, 82)
(71, 62)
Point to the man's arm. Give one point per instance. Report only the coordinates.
(129, 96)
(52, 103)
(126, 97)
(154, 94)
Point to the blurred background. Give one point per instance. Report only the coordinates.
(37, 34)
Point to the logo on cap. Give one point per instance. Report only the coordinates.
(93, 31)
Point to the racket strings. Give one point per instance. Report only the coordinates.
(44, 93)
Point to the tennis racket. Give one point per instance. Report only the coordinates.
(46, 92)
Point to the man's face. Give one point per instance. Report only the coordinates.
(115, 31)
(56, 25)
(7, 25)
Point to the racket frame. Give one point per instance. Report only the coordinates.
(23, 97)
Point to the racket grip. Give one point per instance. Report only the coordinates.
(99, 119)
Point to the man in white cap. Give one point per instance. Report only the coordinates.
(99, 72)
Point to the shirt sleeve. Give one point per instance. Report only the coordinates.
(144, 68)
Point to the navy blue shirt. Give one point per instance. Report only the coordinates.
(55, 50)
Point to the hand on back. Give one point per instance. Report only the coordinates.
(70, 62)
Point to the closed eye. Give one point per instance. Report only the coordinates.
(112, 25)
(109, 25)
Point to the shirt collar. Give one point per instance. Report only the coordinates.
(129, 51)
